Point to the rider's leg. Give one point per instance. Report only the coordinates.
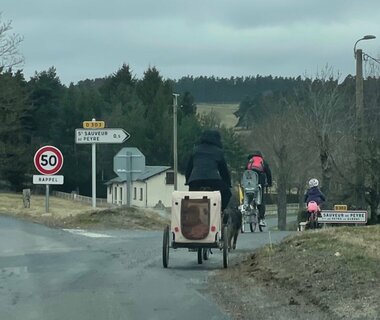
(261, 209)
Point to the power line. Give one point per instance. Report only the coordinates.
(367, 56)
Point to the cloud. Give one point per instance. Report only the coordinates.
(90, 38)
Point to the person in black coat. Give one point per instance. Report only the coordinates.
(208, 168)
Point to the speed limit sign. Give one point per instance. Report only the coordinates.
(48, 160)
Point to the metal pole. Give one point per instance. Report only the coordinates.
(47, 199)
(129, 179)
(175, 148)
(93, 173)
(359, 183)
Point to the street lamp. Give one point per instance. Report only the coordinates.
(175, 155)
(359, 178)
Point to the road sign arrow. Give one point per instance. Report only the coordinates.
(109, 135)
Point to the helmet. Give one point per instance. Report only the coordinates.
(313, 183)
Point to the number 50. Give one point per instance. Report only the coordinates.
(48, 159)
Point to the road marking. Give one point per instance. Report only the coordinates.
(87, 234)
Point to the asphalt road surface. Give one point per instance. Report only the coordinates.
(73, 274)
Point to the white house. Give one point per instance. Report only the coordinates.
(152, 186)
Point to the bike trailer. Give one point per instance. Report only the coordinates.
(196, 219)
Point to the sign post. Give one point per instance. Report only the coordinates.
(48, 160)
(93, 132)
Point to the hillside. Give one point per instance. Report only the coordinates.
(224, 112)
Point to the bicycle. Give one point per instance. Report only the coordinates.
(314, 212)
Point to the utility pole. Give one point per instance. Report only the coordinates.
(360, 201)
(359, 148)
(175, 148)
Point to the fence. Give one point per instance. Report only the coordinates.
(290, 208)
(76, 197)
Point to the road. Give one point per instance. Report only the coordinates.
(66, 274)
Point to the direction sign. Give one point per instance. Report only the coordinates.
(350, 216)
(94, 124)
(48, 160)
(129, 163)
(47, 179)
(88, 136)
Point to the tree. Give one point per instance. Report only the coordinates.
(187, 105)
(14, 130)
(10, 56)
(156, 97)
(46, 95)
(274, 135)
(320, 112)
(371, 157)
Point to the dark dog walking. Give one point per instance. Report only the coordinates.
(234, 219)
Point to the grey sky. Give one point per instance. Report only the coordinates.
(92, 38)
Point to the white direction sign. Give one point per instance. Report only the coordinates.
(350, 216)
(46, 179)
(88, 136)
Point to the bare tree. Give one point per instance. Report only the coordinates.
(320, 111)
(276, 137)
(10, 56)
(371, 157)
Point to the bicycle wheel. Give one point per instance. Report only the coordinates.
(242, 228)
(165, 247)
(200, 255)
(225, 248)
(206, 253)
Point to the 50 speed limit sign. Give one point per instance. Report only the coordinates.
(48, 160)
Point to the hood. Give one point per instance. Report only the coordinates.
(211, 137)
(255, 153)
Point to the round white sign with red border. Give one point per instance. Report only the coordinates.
(48, 160)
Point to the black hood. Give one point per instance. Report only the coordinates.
(255, 153)
(211, 137)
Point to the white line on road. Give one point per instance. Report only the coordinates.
(87, 234)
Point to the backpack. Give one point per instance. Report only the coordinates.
(256, 163)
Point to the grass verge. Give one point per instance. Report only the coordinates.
(73, 214)
(336, 269)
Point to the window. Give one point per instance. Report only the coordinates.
(134, 193)
(121, 194)
(170, 177)
(141, 194)
(115, 193)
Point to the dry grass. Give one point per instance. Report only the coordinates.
(333, 272)
(337, 269)
(69, 213)
(224, 112)
(11, 203)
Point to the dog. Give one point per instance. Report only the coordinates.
(233, 217)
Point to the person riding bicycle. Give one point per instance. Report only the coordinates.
(207, 167)
(314, 194)
(257, 163)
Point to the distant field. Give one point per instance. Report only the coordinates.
(223, 110)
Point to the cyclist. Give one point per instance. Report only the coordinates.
(207, 167)
(314, 193)
(313, 197)
(257, 163)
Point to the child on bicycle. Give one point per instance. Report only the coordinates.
(314, 196)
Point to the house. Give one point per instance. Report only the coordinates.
(150, 185)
